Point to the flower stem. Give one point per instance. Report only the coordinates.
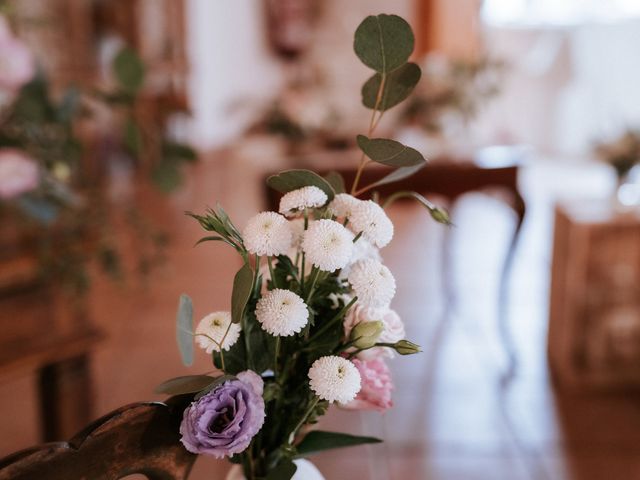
(275, 364)
(343, 311)
(292, 435)
(273, 277)
(313, 278)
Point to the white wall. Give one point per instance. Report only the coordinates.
(229, 62)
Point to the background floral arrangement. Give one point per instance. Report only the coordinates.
(310, 323)
(622, 152)
(50, 195)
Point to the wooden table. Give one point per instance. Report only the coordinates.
(491, 169)
(42, 333)
(594, 322)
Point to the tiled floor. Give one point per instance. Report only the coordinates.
(453, 417)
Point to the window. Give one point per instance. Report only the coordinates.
(558, 12)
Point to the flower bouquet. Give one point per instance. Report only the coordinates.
(310, 323)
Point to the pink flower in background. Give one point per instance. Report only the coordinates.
(18, 173)
(376, 386)
(17, 65)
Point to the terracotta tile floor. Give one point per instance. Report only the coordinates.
(453, 419)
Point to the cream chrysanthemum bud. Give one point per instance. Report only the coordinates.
(211, 331)
(268, 233)
(282, 313)
(328, 245)
(369, 218)
(373, 283)
(334, 379)
(297, 200)
(342, 205)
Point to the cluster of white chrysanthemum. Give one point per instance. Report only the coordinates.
(348, 242)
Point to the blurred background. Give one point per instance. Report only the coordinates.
(116, 116)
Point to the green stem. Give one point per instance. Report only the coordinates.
(275, 364)
(292, 435)
(313, 278)
(273, 277)
(257, 271)
(343, 311)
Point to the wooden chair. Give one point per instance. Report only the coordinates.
(138, 438)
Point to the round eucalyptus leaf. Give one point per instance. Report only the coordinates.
(289, 180)
(389, 152)
(398, 86)
(129, 69)
(383, 42)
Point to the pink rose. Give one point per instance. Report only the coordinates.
(17, 65)
(376, 386)
(18, 173)
(392, 332)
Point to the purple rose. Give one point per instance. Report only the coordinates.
(223, 422)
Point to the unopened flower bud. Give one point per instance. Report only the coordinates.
(405, 347)
(366, 334)
(440, 215)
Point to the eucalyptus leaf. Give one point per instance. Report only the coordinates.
(285, 470)
(129, 70)
(184, 329)
(217, 381)
(185, 384)
(383, 42)
(398, 86)
(319, 441)
(397, 175)
(336, 181)
(389, 152)
(289, 180)
(132, 136)
(242, 285)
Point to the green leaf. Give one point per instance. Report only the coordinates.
(129, 70)
(319, 441)
(132, 137)
(336, 181)
(184, 329)
(397, 175)
(289, 180)
(218, 381)
(389, 152)
(242, 285)
(383, 42)
(166, 176)
(185, 384)
(285, 470)
(397, 87)
(179, 151)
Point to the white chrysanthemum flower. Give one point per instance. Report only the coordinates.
(267, 233)
(362, 249)
(373, 283)
(369, 218)
(328, 245)
(297, 200)
(334, 379)
(211, 331)
(282, 313)
(342, 205)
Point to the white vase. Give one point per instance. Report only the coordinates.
(306, 471)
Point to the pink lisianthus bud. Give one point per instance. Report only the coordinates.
(376, 386)
(18, 173)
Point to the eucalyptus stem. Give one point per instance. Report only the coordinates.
(292, 435)
(255, 274)
(372, 126)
